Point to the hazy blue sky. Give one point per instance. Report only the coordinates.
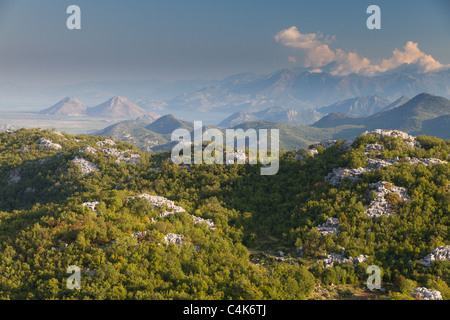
(172, 40)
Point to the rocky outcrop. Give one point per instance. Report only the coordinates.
(337, 175)
(124, 156)
(174, 238)
(326, 144)
(439, 253)
(423, 293)
(86, 166)
(25, 149)
(209, 222)
(14, 176)
(88, 149)
(106, 143)
(329, 227)
(47, 144)
(376, 147)
(158, 202)
(380, 206)
(139, 235)
(91, 205)
(408, 139)
(335, 258)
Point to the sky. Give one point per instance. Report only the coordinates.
(202, 39)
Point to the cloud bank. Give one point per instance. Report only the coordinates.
(317, 53)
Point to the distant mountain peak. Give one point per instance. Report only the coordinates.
(68, 106)
(118, 107)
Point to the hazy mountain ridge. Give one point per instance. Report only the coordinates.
(408, 117)
(68, 106)
(117, 108)
(277, 114)
(357, 107)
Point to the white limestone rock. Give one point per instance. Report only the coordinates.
(209, 222)
(88, 149)
(106, 142)
(337, 175)
(25, 149)
(174, 238)
(335, 258)
(379, 206)
(423, 293)
(330, 226)
(91, 205)
(158, 201)
(439, 253)
(86, 167)
(124, 156)
(48, 144)
(373, 147)
(139, 235)
(382, 133)
(14, 176)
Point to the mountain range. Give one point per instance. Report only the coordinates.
(423, 114)
(115, 108)
(296, 88)
(306, 89)
(413, 117)
(277, 114)
(68, 106)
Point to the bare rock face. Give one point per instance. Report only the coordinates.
(209, 222)
(329, 227)
(340, 174)
(373, 147)
(139, 235)
(174, 238)
(86, 166)
(106, 143)
(380, 206)
(124, 156)
(409, 140)
(91, 205)
(439, 253)
(48, 144)
(335, 258)
(423, 293)
(88, 149)
(158, 202)
(337, 175)
(14, 176)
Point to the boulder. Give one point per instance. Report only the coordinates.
(48, 144)
(423, 293)
(330, 226)
(86, 166)
(439, 253)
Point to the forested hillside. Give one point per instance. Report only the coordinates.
(140, 227)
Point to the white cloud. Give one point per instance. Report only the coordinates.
(292, 59)
(317, 53)
(411, 54)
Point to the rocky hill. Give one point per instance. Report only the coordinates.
(117, 108)
(68, 106)
(140, 227)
